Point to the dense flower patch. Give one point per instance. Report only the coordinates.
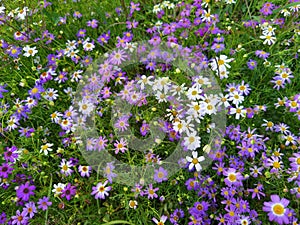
(201, 127)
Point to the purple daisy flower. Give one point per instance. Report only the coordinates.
(101, 143)
(108, 172)
(122, 123)
(150, 191)
(5, 170)
(199, 209)
(10, 155)
(20, 218)
(176, 215)
(30, 209)
(160, 175)
(43, 203)
(15, 51)
(155, 41)
(144, 129)
(81, 33)
(251, 64)
(25, 191)
(36, 91)
(151, 66)
(277, 210)
(262, 54)
(100, 191)
(69, 191)
(233, 178)
(132, 24)
(218, 47)
(92, 23)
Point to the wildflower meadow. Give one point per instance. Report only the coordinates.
(149, 112)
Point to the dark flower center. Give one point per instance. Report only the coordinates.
(26, 190)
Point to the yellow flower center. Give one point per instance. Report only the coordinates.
(34, 90)
(160, 175)
(191, 139)
(232, 177)
(195, 161)
(276, 165)
(278, 209)
(221, 62)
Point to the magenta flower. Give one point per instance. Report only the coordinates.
(69, 191)
(25, 191)
(277, 210)
(120, 146)
(10, 155)
(43, 203)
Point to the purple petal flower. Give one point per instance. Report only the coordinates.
(43, 203)
(25, 191)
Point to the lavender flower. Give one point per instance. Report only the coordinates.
(43, 203)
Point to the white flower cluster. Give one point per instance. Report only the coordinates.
(19, 14)
(268, 34)
(189, 107)
(220, 66)
(163, 5)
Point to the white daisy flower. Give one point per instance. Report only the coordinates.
(195, 161)
(236, 97)
(58, 188)
(192, 141)
(238, 111)
(29, 51)
(85, 107)
(194, 93)
(46, 148)
(268, 39)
